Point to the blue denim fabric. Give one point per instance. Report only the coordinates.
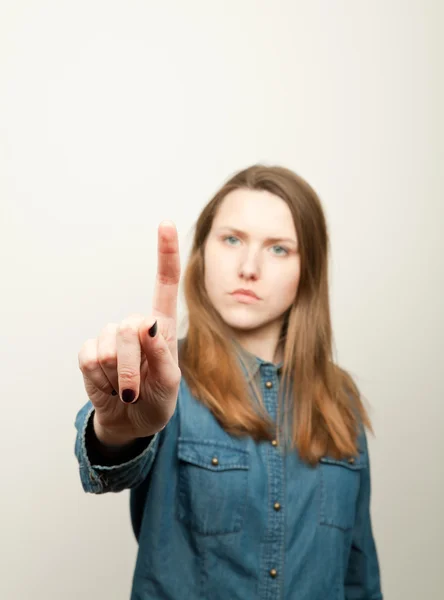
(222, 518)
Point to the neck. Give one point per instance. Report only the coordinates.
(262, 343)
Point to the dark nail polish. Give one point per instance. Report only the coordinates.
(128, 396)
(153, 330)
(114, 393)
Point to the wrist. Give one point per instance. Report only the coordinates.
(110, 439)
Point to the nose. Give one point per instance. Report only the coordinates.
(249, 268)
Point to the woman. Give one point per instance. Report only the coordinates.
(243, 445)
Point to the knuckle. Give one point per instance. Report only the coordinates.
(87, 357)
(127, 328)
(108, 360)
(88, 364)
(159, 351)
(132, 321)
(87, 346)
(169, 278)
(128, 373)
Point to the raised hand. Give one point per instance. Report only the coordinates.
(131, 370)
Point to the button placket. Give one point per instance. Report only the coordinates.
(271, 550)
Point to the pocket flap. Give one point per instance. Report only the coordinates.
(212, 455)
(355, 462)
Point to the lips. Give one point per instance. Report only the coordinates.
(245, 292)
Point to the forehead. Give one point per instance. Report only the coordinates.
(257, 211)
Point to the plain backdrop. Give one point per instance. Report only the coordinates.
(116, 115)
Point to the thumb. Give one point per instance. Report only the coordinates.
(160, 362)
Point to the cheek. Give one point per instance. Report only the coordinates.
(292, 285)
(285, 287)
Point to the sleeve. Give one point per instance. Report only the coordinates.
(103, 478)
(362, 580)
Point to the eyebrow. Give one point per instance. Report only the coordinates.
(240, 233)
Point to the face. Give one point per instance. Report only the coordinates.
(253, 246)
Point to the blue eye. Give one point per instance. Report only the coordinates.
(230, 237)
(281, 248)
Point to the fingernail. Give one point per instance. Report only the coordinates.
(114, 393)
(128, 396)
(153, 330)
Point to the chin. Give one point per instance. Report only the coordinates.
(244, 322)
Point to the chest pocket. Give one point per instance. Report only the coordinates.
(339, 484)
(212, 486)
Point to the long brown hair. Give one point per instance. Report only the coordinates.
(325, 408)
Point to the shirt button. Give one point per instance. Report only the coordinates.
(351, 461)
(273, 573)
(214, 461)
(274, 443)
(277, 506)
(268, 384)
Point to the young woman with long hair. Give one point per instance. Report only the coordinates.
(243, 443)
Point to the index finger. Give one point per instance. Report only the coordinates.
(168, 271)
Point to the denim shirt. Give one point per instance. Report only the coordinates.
(220, 517)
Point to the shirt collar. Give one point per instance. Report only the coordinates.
(252, 364)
